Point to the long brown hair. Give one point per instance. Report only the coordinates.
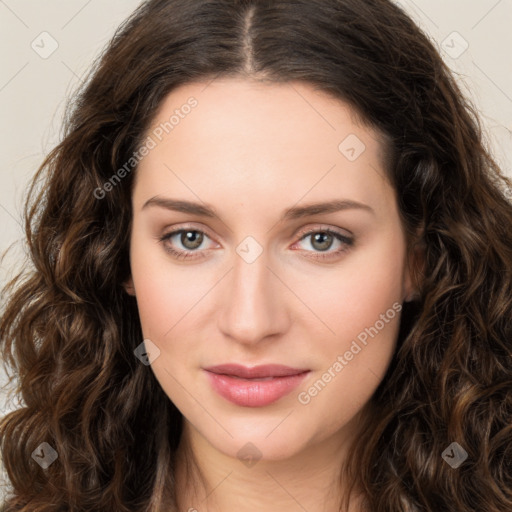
(68, 329)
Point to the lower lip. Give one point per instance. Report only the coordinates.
(251, 392)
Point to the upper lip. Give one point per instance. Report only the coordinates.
(255, 372)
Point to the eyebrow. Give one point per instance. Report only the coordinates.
(295, 212)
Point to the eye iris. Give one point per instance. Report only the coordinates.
(322, 237)
(195, 237)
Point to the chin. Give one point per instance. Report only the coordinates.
(261, 447)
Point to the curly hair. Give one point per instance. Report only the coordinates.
(68, 329)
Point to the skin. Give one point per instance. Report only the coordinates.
(251, 150)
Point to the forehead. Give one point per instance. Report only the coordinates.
(262, 143)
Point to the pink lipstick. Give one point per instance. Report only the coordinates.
(256, 386)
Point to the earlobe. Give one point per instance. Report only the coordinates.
(409, 289)
(129, 287)
(415, 272)
(412, 296)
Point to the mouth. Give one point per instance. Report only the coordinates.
(254, 386)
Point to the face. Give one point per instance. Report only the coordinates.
(240, 271)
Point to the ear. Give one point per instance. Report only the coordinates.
(129, 287)
(415, 267)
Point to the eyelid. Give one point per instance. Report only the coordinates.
(188, 227)
(347, 239)
(347, 243)
(300, 234)
(323, 227)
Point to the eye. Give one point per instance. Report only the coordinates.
(190, 239)
(321, 240)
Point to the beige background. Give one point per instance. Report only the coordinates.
(33, 89)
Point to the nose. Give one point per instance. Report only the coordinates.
(253, 302)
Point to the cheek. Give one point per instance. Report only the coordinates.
(361, 304)
(355, 361)
(347, 297)
(166, 293)
(175, 307)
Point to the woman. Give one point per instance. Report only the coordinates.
(272, 270)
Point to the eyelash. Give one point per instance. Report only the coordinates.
(184, 255)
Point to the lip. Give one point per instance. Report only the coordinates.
(256, 386)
